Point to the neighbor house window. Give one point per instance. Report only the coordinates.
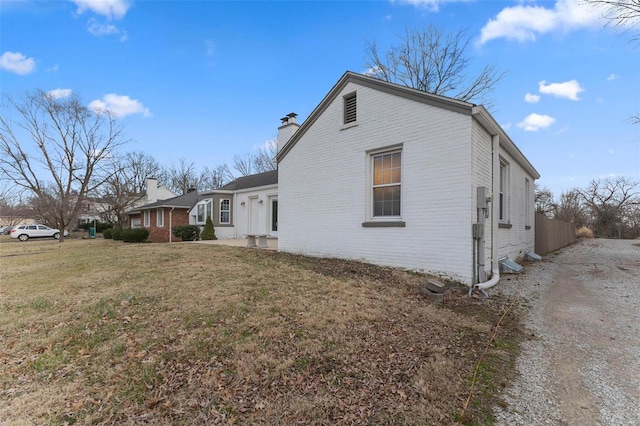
(504, 191)
(386, 184)
(225, 211)
(350, 115)
(159, 218)
(147, 218)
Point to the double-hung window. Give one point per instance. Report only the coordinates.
(225, 211)
(504, 192)
(147, 218)
(386, 184)
(160, 218)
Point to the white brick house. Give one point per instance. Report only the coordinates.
(390, 175)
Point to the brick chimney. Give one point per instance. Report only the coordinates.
(287, 129)
(152, 190)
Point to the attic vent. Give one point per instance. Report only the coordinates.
(350, 108)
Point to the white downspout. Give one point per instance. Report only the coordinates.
(170, 222)
(495, 183)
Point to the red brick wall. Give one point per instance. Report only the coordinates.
(161, 234)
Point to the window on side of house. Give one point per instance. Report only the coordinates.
(147, 218)
(527, 203)
(160, 218)
(350, 110)
(225, 211)
(504, 192)
(386, 184)
(200, 214)
(209, 209)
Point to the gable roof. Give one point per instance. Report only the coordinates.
(252, 181)
(383, 86)
(186, 201)
(477, 112)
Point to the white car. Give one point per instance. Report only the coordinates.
(24, 232)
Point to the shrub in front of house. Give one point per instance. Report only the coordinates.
(208, 233)
(186, 232)
(584, 232)
(116, 234)
(135, 235)
(107, 233)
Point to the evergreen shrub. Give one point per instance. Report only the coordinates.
(208, 233)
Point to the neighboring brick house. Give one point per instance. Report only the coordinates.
(400, 177)
(152, 193)
(160, 217)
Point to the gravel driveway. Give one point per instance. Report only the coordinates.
(581, 365)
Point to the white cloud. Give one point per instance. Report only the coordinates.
(613, 77)
(531, 98)
(534, 122)
(373, 71)
(59, 93)
(16, 62)
(524, 22)
(506, 126)
(111, 9)
(119, 105)
(99, 29)
(569, 89)
(432, 5)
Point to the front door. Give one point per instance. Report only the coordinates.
(254, 223)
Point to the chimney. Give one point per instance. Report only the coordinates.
(287, 129)
(152, 190)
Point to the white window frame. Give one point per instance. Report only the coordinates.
(371, 186)
(504, 201)
(159, 218)
(227, 210)
(146, 218)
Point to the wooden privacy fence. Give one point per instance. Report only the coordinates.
(552, 234)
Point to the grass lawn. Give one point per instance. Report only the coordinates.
(104, 332)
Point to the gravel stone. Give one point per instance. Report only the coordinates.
(582, 364)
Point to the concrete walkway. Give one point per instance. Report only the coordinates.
(272, 243)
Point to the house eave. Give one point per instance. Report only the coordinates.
(383, 86)
(487, 121)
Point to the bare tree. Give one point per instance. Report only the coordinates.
(125, 185)
(215, 177)
(57, 151)
(244, 164)
(265, 159)
(570, 209)
(182, 178)
(610, 202)
(544, 201)
(622, 14)
(433, 61)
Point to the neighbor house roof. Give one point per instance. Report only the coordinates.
(252, 181)
(185, 201)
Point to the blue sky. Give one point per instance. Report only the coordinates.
(205, 80)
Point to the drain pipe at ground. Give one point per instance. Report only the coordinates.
(495, 182)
